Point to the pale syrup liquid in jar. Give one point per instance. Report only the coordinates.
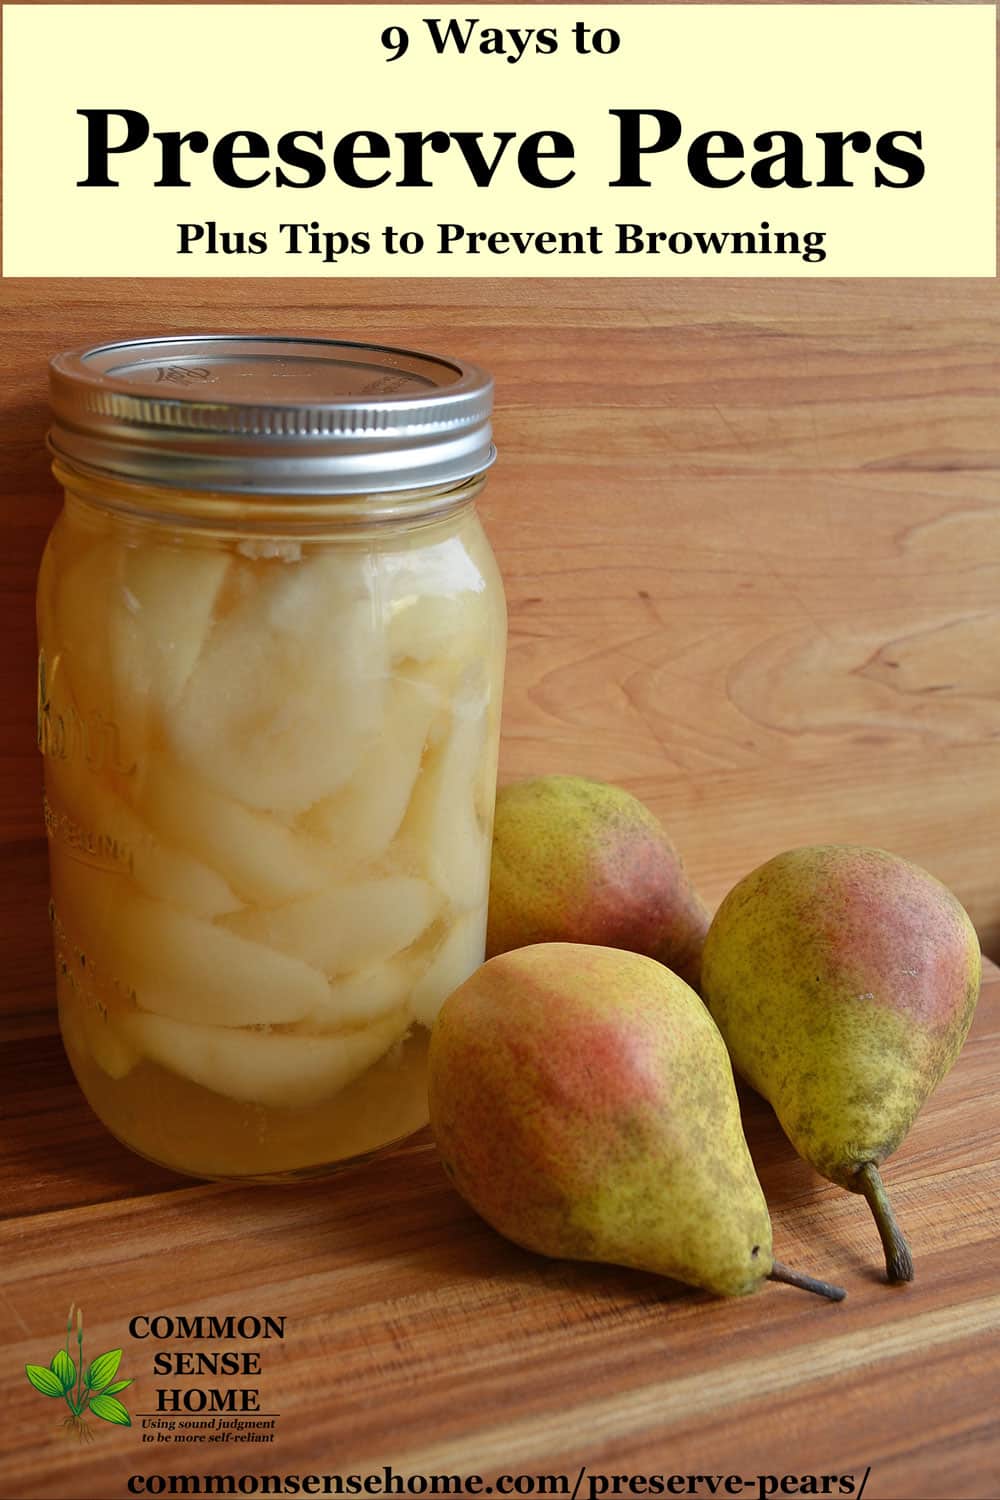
(269, 724)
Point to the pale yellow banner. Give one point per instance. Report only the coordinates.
(501, 140)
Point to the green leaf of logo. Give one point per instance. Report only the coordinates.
(110, 1409)
(44, 1380)
(64, 1369)
(103, 1370)
(119, 1385)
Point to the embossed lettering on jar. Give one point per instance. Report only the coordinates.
(271, 643)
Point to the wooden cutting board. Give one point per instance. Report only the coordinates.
(415, 1337)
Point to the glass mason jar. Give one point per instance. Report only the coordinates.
(271, 643)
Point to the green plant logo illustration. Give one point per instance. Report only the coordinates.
(93, 1389)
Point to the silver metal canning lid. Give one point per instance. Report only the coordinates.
(271, 415)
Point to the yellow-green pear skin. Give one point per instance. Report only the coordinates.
(581, 861)
(583, 1103)
(844, 980)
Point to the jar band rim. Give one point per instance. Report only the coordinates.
(269, 513)
(274, 414)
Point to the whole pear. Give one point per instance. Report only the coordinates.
(844, 980)
(579, 861)
(583, 1103)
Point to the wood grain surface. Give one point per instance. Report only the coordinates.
(417, 1337)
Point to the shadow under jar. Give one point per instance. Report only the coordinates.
(271, 646)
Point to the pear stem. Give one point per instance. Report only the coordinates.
(898, 1260)
(780, 1272)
